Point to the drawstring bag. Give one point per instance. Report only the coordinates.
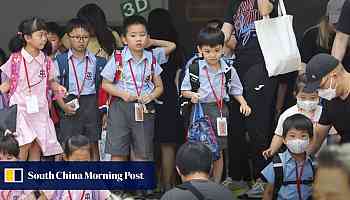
(201, 130)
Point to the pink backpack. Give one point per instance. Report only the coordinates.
(16, 59)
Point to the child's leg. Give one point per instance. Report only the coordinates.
(34, 152)
(119, 158)
(168, 164)
(218, 167)
(23, 152)
(95, 154)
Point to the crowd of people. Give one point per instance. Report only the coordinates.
(70, 84)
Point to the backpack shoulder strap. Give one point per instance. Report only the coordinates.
(100, 64)
(192, 189)
(16, 59)
(118, 59)
(63, 65)
(194, 74)
(278, 170)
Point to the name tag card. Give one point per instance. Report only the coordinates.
(32, 104)
(221, 124)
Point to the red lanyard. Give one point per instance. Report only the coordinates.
(27, 76)
(81, 197)
(219, 102)
(80, 89)
(299, 177)
(134, 79)
(8, 195)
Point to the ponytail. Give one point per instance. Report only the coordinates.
(26, 27)
(17, 43)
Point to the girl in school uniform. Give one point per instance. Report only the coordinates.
(77, 148)
(30, 75)
(9, 151)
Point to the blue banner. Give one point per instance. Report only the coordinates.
(77, 175)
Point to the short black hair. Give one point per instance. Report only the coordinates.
(53, 27)
(194, 157)
(298, 122)
(215, 23)
(74, 143)
(77, 23)
(300, 83)
(134, 20)
(9, 145)
(210, 36)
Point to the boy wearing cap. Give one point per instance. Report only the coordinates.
(327, 75)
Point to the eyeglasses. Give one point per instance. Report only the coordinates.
(78, 38)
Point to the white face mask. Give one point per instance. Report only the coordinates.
(307, 105)
(297, 146)
(329, 93)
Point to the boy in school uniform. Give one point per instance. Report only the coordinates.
(290, 174)
(54, 35)
(214, 89)
(78, 70)
(130, 123)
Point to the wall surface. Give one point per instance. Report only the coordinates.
(13, 11)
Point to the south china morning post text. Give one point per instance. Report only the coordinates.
(78, 175)
(67, 175)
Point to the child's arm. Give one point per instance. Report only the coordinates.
(168, 46)
(158, 90)
(268, 192)
(275, 145)
(191, 95)
(109, 87)
(5, 87)
(244, 108)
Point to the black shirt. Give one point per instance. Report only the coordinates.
(337, 113)
(344, 20)
(310, 47)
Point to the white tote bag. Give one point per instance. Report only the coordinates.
(278, 43)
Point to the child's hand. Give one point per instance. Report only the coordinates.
(69, 109)
(268, 153)
(127, 97)
(245, 109)
(60, 91)
(146, 98)
(195, 97)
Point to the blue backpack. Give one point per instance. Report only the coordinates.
(201, 130)
(62, 60)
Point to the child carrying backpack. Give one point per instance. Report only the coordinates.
(290, 175)
(213, 87)
(31, 76)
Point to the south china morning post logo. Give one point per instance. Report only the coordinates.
(76, 175)
(13, 175)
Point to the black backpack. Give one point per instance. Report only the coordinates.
(279, 175)
(185, 103)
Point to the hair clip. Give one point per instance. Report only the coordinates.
(8, 132)
(19, 33)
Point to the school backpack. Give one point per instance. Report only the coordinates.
(104, 98)
(201, 130)
(63, 65)
(279, 175)
(62, 61)
(185, 103)
(16, 59)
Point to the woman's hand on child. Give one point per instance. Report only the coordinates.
(268, 153)
(245, 109)
(195, 97)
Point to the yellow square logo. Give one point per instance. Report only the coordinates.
(13, 175)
